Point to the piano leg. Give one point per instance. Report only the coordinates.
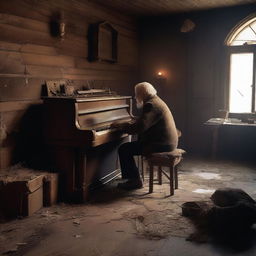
(82, 188)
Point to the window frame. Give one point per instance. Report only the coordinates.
(232, 49)
(238, 28)
(241, 49)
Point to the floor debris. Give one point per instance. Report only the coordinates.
(129, 223)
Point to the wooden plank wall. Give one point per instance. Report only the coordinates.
(29, 55)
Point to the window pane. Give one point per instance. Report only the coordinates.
(246, 35)
(253, 26)
(241, 73)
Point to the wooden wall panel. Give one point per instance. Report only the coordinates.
(77, 14)
(11, 63)
(20, 88)
(30, 54)
(128, 51)
(22, 22)
(8, 106)
(9, 46)
(38, 49)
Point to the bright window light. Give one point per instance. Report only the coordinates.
(241, 80)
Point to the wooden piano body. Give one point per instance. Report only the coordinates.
(83, 145)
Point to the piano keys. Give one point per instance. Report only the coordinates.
(84, 146)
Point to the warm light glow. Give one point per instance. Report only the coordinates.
(160, 73)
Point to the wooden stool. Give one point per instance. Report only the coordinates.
(165, 159)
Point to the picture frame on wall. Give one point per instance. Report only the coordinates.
(102, 42)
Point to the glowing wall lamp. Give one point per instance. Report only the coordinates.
(160, 75)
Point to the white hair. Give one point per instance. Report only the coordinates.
(143, 91)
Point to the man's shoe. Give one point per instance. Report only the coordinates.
(131, 184)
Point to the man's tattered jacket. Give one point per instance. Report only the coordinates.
(155, 127)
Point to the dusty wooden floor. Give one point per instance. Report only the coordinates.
(134, 223)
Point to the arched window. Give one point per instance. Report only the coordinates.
(241, 44)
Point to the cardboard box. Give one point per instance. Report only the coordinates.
(50, 189)
(21, 198)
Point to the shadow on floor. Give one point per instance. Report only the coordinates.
(235, 239)
(239, 241)
(110, 193)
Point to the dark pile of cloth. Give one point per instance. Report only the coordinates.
(233, 210)
(229, 217)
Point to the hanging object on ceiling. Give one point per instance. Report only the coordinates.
(187, 26)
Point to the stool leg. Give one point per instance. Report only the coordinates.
(159, 175)
(151, 177)
(176, 176)
(138, 163)
(142, 168)
(171, 181)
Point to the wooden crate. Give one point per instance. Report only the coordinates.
(21, 198)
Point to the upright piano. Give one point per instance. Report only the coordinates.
(82, 142)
